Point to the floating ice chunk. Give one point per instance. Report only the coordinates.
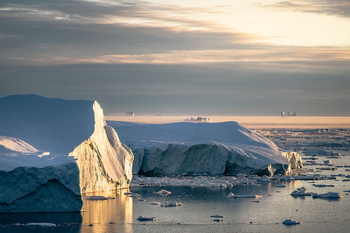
(217, 216)
(218, 220)
(327, 162)
(290, 222)
(280, 186)
(154, 203)
(171, 204)
(323, 185)
(300, 192)
(143, 218)
(42, 224)
(163, 192)
(134, 195)
(244, 196)
(255, 201)
(327, 195)
(128, 193)
(140, 199)
(95, 198)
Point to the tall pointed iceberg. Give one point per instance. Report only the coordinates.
(58, 147)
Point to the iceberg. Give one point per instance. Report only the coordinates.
(327, 195)
(202, 149)
(54, 150)
(300, 192)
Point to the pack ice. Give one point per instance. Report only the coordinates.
(202, 149)
(53, 150)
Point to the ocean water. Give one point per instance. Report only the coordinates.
(199, 204)
(240, 214)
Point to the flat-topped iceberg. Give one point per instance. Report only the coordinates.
(53, 150)
(202, 149)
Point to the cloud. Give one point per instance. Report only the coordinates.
(148, 57)
(339, 8)
(140, 13)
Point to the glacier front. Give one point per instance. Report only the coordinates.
(203, 149)
(53, 150)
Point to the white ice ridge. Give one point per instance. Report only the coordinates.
(48, 144)
(197, 148)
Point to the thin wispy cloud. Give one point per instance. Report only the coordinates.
(339, 8)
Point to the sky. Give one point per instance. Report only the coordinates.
(199, 57)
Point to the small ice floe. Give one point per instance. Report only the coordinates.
(41, 224)
(170, 204)
(98, 198)
(136, 195)
(163, 192)
(346, 180)
(290, 222)
(328, 168)
(323, 185)
(217, 216)
(300, 192)
(327, 195)
(244, 196)
(128, 193)
(154, 203)
(328, 161)
(348, 191)
(140, 199)
(280, 186)
(218, 220)
(255, 201)
(143, 218)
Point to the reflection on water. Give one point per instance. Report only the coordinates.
(112, 215)
(105, 215)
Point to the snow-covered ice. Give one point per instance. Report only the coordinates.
(244, 196)
(171, 204)
(327, 195)
(41, 224)
(163, 192)
(197, 148)
(66, 144)
(154, 203)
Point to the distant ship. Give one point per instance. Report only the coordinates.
(288, 114)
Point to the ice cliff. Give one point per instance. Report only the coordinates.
(202, 148)
(53, 150)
